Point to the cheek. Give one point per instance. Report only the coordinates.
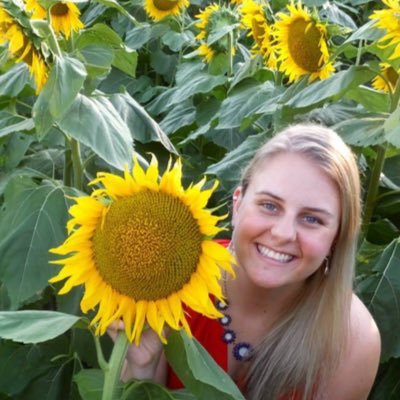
(317, 246)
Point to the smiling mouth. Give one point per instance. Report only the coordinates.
(274, 255)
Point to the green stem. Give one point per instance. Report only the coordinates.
(112, 374)
(67, 163)
(360, 46)
(395, 97)
(99, 352)
(77, 163)
(52, 40)
(373, 187)
(230, 53)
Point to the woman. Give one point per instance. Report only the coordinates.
(293, 326)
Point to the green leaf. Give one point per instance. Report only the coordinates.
(14, 80)
(184, 394)
(146, 391)
(381, 294)
(366, 32)
(242, 103)
(99, 34)
(90, 383)
(34, 326)
(183, 114)
(11, 123)
(140, 123)
(98, 59)
(362, 131)
(126, 60)
(335, 85)
(117, 6)
(392, 128)
(66, 79)
(138, 36)
(371, 99)
(387, 384)
(97, 124)
(21, 365)
(197, 370)
(228, 170)
(54, 384)
(192, 79)
(33, 220)
(220, 32)
(177, 40)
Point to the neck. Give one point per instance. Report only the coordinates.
(249, 298)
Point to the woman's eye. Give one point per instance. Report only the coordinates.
(269, 206)
(310, 219)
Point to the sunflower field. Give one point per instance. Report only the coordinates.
(98, 98)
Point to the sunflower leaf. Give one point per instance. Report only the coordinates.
(197, 370)
(14, 80)
(381, 293)
(336, 85)
(32, 220)
(33, 326)
(65, 80)
(97, 124)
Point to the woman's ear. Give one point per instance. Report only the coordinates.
(236, 200)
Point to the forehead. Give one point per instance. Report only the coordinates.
(294, 176)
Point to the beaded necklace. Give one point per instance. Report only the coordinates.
(242, 351)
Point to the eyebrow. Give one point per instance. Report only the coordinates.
(311, 209)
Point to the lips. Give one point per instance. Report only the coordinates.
(274, 255)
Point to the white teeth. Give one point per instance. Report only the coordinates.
(274, 255)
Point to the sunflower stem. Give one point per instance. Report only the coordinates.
(99, 352)
(112, 373)
(52, 39)
(67, 164)
(359, 52)
(76, 163)
(230, 53)
(373, 187)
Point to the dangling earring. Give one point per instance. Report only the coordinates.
(327, 260)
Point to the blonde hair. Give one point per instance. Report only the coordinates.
(305, 345)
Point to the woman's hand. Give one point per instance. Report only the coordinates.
(141, 361)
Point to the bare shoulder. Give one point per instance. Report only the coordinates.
(358, 367)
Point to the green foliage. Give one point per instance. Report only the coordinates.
(126, 84)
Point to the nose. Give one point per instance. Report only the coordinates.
(284, 228)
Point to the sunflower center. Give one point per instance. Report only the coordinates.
(304, 39)
(149, 245)
(164, 5)
(59, 9)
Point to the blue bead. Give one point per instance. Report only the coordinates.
(242, 351)
(228, 336)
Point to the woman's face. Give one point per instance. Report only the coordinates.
(285, 222)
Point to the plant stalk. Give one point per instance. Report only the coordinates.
(230, 53)
(373, 187)
(76, 163)
(112, 374)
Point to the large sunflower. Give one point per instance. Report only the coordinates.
(64, 16)
(301, 44)
(388, 84)
(159, 9)
(142, 247)
(211, 20)
(389, 20)
(254, 19)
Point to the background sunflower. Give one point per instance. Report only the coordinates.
(301, 44)
(389, 21)
(160, 9)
